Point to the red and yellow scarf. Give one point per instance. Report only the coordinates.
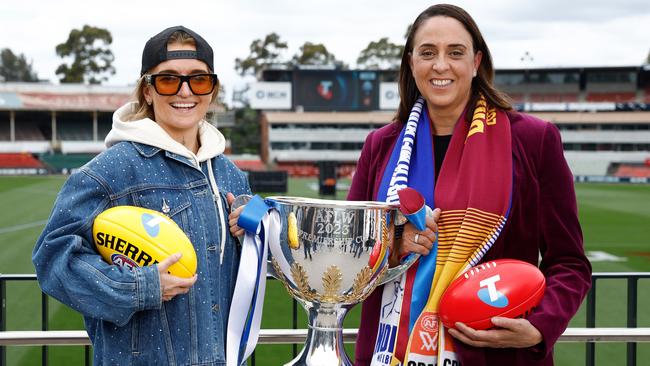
(474, 190)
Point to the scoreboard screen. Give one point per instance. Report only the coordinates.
(335, 90)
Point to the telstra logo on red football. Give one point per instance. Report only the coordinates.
(489, 293)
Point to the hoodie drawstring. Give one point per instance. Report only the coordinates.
(217, 199)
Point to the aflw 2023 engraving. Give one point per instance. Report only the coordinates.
(332, 222)
(333, 228)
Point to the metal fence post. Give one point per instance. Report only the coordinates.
(3, 324)
(590, 357)
(87, 355)
(294, 346)
(632, 287)
(44, 321)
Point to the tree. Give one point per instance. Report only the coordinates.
(245, 136)
(263, 53)
(316, 54)
(15, 67)
(382, 54)
(91, 56)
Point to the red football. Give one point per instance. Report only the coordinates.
(505, 287)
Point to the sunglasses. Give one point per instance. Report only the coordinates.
(170, 84)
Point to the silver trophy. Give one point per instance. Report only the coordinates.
(331, 255)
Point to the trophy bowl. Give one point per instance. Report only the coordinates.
(330, 256)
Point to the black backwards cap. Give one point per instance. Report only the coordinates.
(155, 50)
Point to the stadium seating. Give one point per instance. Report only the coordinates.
(103, 128)
(5, 126)
(29, 133)
(21, 160)
(516, 97)
(295, 169)
(74, 131)
(633, 170)
(250, 165)
(553, 97)
(311, 170)
(65, 161)
(299, 169)
(346, 170)
(617, 97)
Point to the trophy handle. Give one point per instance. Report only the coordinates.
(239, 201)
(393, 273)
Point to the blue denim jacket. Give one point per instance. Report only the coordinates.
(123, 311)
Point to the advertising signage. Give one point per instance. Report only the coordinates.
(270, 95)
(388, 96)
(335, 90)
(10, 101)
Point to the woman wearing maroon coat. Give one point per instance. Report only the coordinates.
(447, 64)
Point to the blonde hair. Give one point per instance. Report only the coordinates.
(145, 110)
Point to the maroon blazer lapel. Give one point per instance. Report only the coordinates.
(385, 147)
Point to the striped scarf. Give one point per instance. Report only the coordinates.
(474, 191)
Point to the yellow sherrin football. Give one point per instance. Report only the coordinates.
(132, 236)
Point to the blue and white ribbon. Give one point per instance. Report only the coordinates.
(262, 225)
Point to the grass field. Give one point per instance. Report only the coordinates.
(615, 221)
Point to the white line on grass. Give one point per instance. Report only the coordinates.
(11, 229)
(599, 256)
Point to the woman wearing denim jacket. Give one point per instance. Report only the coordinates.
(161, 155)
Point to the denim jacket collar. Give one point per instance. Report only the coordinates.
(146, 150)
(149, 151)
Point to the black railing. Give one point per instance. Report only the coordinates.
(632, 310)
(632, 279)
(4, 278)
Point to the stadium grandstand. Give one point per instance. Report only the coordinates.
(312, 116)
(603, 114)
(54, 128)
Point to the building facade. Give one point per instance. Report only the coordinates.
(325, 115)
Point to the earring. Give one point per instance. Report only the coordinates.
(474, 73)
(149, 102)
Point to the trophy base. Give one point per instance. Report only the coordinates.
(324, 343)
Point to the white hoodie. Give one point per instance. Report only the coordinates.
(147, 131)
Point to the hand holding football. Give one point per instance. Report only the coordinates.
(506, 287)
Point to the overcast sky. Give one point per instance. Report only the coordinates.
(554, 32)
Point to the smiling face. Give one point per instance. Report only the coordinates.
(179, 114)
(443, 64)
